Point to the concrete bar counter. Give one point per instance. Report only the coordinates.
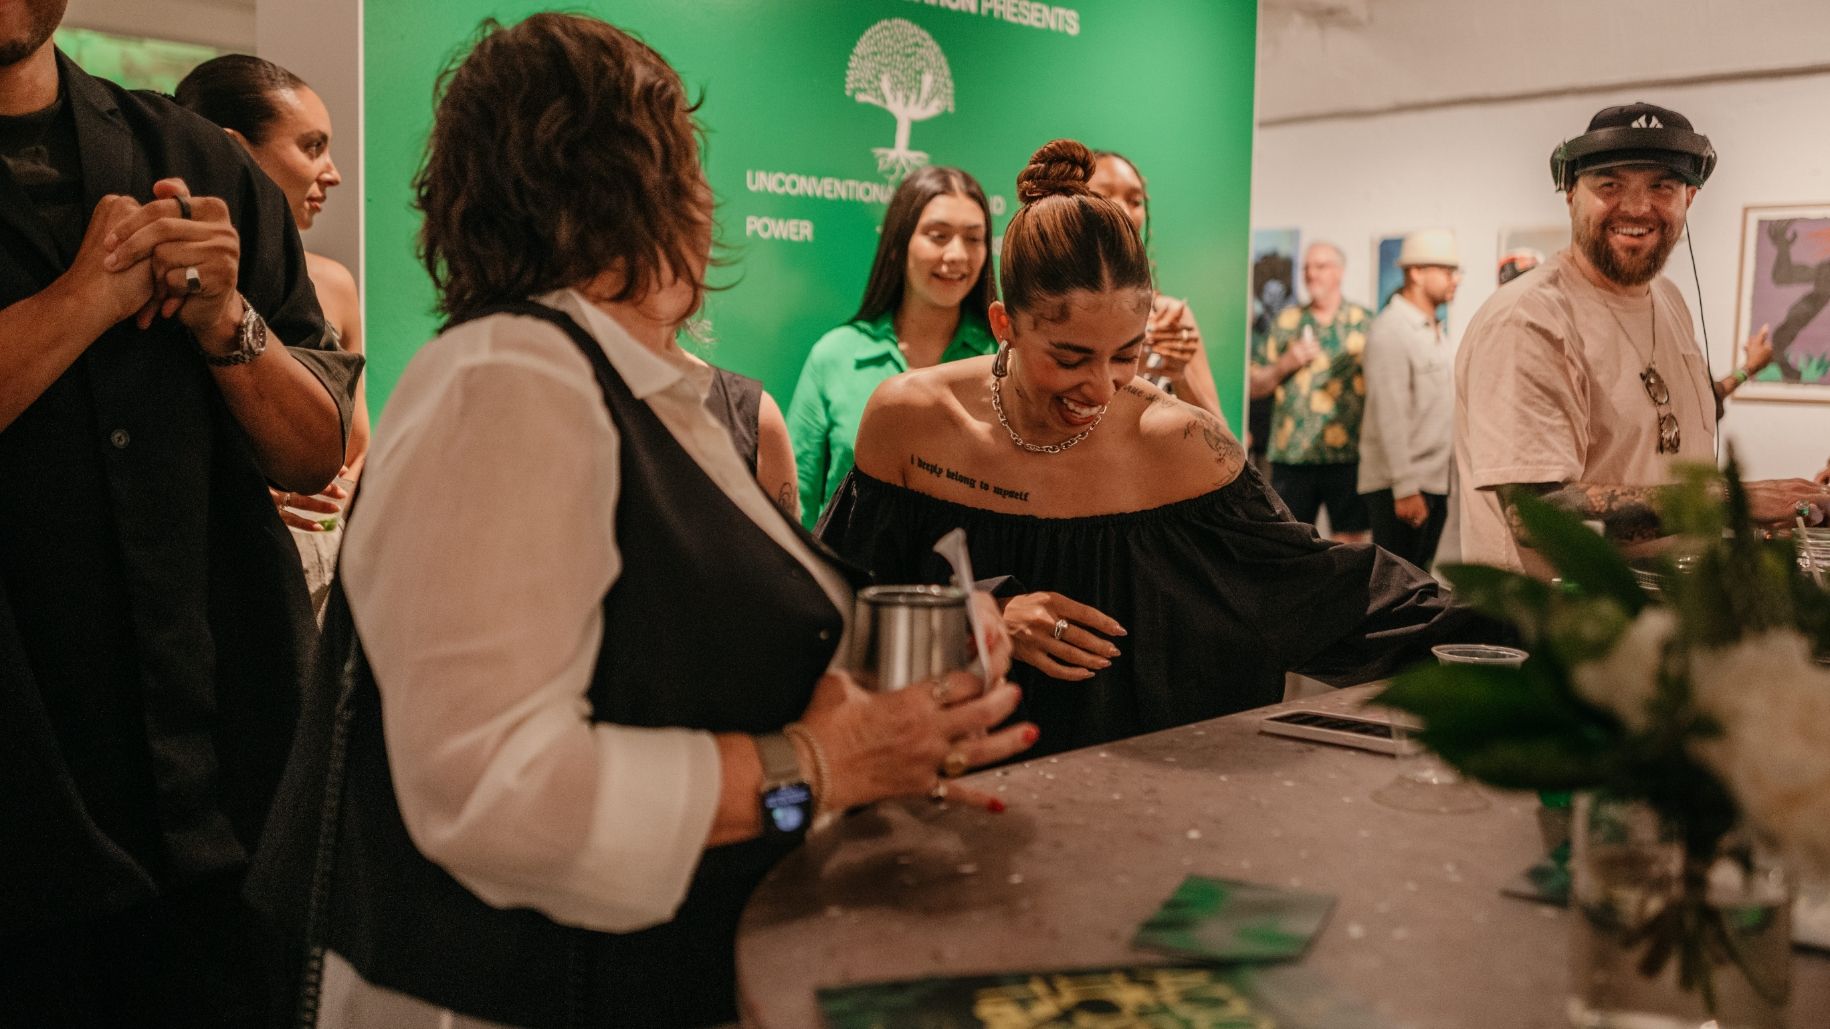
(1095, 840)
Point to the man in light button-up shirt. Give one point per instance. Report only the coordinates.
(1405, 436)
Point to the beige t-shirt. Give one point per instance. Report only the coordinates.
(1548, 389)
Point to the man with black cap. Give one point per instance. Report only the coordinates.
(1583, 381)
(153, 615)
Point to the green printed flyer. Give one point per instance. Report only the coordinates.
(1167, 997)
(1226, 920)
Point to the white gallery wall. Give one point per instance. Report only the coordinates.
(224, 24)
(1452, 108)
(321, 42)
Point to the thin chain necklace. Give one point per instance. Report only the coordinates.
(997, 404)
(1652, 352)
(1654, 382)
(1669, 437)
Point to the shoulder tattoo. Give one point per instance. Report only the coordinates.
(1226, 451)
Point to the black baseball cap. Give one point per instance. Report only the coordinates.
(1639, 134)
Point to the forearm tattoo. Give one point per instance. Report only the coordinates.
(786, 499)
(1629, 514)
(969, 482)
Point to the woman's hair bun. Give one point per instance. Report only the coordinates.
(1061, 167)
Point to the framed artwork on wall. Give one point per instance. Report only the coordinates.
(1785, 283)
(1274, 257)
(1388, 278)
(1524, 248)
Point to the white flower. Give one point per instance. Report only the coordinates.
(1626, 680)
(1773, 703)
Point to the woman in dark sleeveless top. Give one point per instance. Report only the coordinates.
(759, 432)
(564, 728)
(286, 129)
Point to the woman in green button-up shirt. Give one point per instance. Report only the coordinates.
(924, 305)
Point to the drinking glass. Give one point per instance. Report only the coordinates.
(908, 634)
(1429, 785)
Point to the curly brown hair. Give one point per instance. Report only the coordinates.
(1065, 237)
(562, 147)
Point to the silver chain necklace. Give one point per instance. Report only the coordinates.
(997, 404)
(1632, 344)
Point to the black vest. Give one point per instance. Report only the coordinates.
(710, 625)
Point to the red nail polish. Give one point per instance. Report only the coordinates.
(995, 806)
(1031, 734)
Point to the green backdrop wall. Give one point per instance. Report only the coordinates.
(795, 159)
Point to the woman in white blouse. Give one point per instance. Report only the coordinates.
(600, 691)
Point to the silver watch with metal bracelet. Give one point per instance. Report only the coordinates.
(786, 799)
(250, 340)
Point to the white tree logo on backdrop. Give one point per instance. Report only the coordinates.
(897, 66)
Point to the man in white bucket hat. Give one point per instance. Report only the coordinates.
(1404, 439)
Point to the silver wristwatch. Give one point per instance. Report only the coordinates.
(250, 340)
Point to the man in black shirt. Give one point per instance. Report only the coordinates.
(162, 358)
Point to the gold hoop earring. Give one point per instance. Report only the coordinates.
(1000, 365)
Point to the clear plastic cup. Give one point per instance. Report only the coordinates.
(1428, 785)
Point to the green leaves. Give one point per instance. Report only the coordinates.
(1740, 582)
(1519, 600)
(1582, 559)
(1512, 727)
(1565, 624)
(1529, 727)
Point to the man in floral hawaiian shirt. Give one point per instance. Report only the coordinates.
(1310, 365)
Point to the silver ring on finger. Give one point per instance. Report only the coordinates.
(938, 792)
(1061, 626)
(1184, 333)
(184, 207)
(193, 282)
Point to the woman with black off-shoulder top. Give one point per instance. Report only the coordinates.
(1170, 584)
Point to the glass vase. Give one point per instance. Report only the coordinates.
(1666, 939)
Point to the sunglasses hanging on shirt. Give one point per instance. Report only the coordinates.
(1669, 438)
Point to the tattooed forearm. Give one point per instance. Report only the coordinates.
(788, 501)
(1629, 514)
(969, 482)
(1228, 454)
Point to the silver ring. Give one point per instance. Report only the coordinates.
(1060, 627)
(184, 207)
(193, 282)
(939, 791)
(1184, 333)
